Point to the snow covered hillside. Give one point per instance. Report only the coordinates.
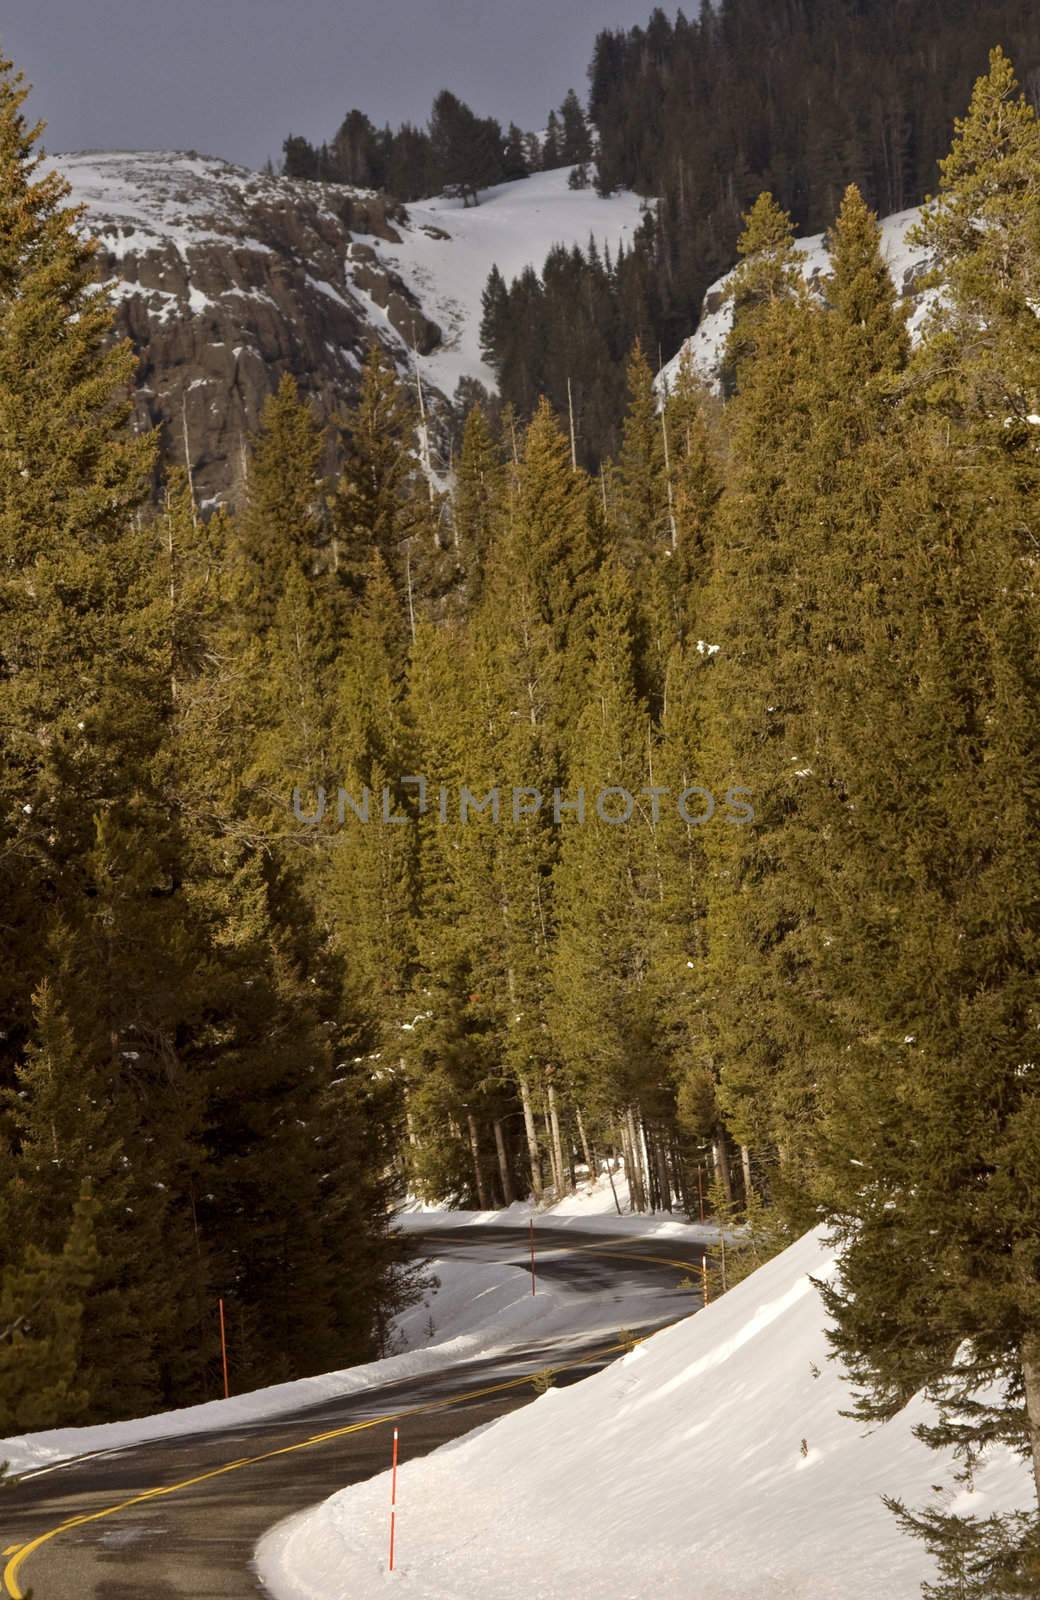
(447, 251)
(907, 263)
(710, 1462)
(224, 279)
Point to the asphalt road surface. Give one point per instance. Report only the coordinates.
(181, 1517)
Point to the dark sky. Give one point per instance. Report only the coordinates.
(232, 77)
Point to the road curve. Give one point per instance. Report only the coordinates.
(181, 1517)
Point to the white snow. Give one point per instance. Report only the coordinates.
(711, 1462)
(905, 260)
(590, 1209)
(514, 226)
(480, 1307)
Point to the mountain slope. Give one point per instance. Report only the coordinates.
(907, 263)
(224, 279)
(711, 1461)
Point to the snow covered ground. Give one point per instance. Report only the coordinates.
(478, 1308)
(710, 1462)
(906, 262)
(591, 1208)
(514, 226)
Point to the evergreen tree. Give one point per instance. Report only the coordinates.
(476, 499)
(514, 157)
(281, 528)
(929, 930)
(42, 1299)
(376, 508)
(575, 140)
(551, 144)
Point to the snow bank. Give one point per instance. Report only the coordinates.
(476, 1303)
(712, 1461)
(477, 1308)
(906, 262)
(591, 1209)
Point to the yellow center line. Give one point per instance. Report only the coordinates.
(20, 1553)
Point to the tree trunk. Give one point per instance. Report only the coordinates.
(745, 1162)
(478, 1165)
(613, 1190)
(649, 1181)
(720, 1156)
(633, 1162)
(554, 1121)
(550, 1146)
(586, 1148)
(532, 1140)
(505, 1170)
(663, 1180)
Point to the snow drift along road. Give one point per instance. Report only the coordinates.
(711, 1462)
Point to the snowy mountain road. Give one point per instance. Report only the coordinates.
(181, 1516)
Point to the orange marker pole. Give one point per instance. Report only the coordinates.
(532, 1254)
(393, 1502)
(223, 1350)
(704, 1278)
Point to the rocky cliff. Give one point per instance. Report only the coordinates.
(225, 279)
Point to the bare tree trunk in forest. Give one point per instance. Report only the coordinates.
(556, 1178)
(613, 1189)
(720, 1156)
(557, 1143)
(626, 1161)
(745, 1162)
(586, 1148)
(506, 1171)
(664, 1183)
(532, 1140)
(633, 1161)
(1031, 1383)
(549, 1146)
(649, 1181)
(478, 1165)
(679, 1176)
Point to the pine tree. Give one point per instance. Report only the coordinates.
(928, 908)
(555, 540)
(575, 140)
(376, 507)
(550, 152)
(479, 485)
(641, 506)
(71, 479)
(42, 1298)
(601, 1020)
(281, 528)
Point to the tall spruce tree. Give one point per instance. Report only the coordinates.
(931, 931)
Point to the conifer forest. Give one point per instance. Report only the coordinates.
(662, 800)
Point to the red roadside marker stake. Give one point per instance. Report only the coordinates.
(532, 1254)
(393, 1502)
(223, 1350)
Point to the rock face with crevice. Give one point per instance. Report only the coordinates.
(225, 279)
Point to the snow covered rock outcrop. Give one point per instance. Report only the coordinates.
(225, 279)
(907, 263)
